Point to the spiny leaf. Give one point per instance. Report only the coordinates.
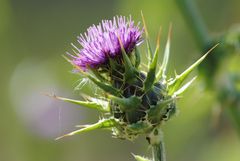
(183, 88)
(127, 104)
(176, 83)
(137, 58)
(152, 68)
(140, 158)
(150, 53)
(93, 105)
(101, 124)
(154, 112)
(130, 71)
(106, 87)
(163, 68)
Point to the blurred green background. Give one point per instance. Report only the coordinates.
(33, 37)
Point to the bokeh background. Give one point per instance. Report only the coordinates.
(33, 37)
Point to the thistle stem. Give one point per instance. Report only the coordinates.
(156, 141)
(158, 152)
(195, 22)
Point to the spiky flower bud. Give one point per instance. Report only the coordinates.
(135, 101)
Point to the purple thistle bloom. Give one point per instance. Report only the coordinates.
(101, 42)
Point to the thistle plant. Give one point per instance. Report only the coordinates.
(132, 101)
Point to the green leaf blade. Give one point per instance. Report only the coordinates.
(127, 104)
(176, 83)
(103, 106)
(130, 70)
(162, 71)
(184, 87)
(105, 87)
(101, 124)
(149, 49)
(150, 79)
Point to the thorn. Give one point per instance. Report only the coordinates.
(120, 42)
(211, 49)
(175, 72)
(144, 24)
(169, 32)
(74, 65)
(60, 137)
(158, 38)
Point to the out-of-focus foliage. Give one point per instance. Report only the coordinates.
(33, 36)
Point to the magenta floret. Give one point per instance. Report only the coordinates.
(101, 42)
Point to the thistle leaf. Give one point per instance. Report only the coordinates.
(176, 83)
(163, 68)
(137, 58)
(152, 68)
(101, 124)
(183, 88)
(106, 87)
(140, 158)
(130, 70)
(94, 105)
(127, 104)
(149, 52)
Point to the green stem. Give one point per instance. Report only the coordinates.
(194, 21)
(156, 141)
(158, 152)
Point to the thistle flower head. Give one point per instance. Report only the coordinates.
(101, 42)
(135, 101)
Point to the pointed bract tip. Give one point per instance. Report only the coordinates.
(211, 49)
(159, 35)
(74, 65)
(170, 32)
(144, 24)
(120, 42)
(60, 137)
(140, 158)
